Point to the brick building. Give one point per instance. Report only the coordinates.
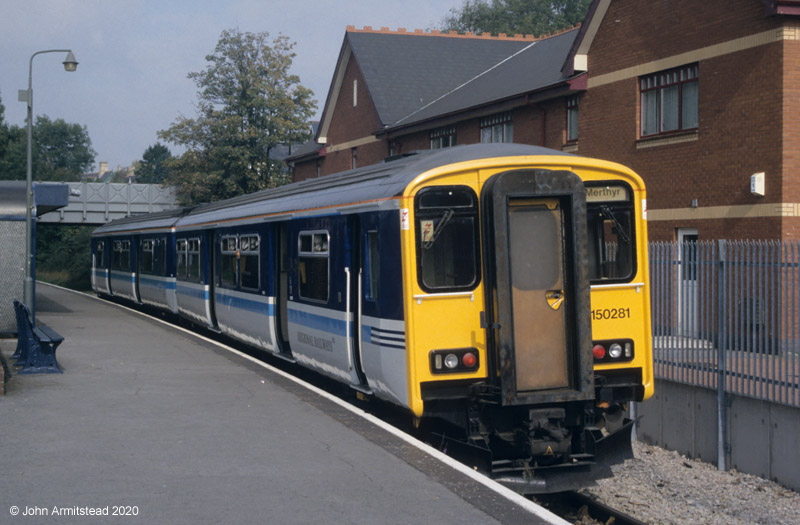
(699, 98)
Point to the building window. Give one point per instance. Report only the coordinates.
(355, 93)
(443, 137)
(669, 101)
(572, 118)
(354, 158)
(497, 128)
(394, 148)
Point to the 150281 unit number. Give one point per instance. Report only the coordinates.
(603, 314)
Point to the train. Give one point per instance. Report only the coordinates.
(498, 289)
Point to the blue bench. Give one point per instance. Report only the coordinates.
(36, 345)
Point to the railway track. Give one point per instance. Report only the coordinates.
(579, 508)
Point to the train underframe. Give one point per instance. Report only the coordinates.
(535, 449)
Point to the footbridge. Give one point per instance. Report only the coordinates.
(99, 203)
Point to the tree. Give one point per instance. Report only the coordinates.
(533, 17)
(248, 105)
(152, 169)
(60, 151)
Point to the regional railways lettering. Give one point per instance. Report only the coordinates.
(318, 342)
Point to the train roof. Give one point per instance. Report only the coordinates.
(156, 221)
(362, 185)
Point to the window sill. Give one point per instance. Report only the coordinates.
(665, 140)
(570, 147)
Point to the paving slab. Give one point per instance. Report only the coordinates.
(152, 420)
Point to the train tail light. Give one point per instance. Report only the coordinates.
(613, 351)
(454, 360)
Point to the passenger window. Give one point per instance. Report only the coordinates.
(160, 255)
(180, 254)
(147, 257)
(372, 266)
(447, 239)
(227, 266)
(193, 259)
(249, 269)
(610, 214)
(313, 265)
(100, 260)
(121, 257)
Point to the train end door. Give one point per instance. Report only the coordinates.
(538, 306)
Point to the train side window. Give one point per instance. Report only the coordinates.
(180, 254)
(372, 266)
(100, 260)
(313, 265)
(121, 257)
(193, 260)
(249, 269)
(146, 265)
(610, 218)
(161, 255)
(447, 239)
(227, 262)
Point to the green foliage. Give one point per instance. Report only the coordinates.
(531, 17)
(63, 255)
(248, 105)
(152, 169)
(60, 151)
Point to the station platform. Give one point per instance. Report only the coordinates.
(150, 418)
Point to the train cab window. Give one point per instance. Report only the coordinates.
(227, 262)
(147, 258)
(313, 265)
(180, 254)
(447, 239)
(610, 214)
(193, 259)
(249, 261)
(121, 256)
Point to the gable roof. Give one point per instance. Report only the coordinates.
(404, 71)
(533, 68)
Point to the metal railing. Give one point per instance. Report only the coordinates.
(725, 316)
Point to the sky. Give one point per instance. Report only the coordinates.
(134, 56)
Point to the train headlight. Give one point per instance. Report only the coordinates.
(451, 361)
(615, 351)
(599, 352)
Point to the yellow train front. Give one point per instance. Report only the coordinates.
(527, 312)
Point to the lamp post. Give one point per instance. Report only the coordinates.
(70, 64)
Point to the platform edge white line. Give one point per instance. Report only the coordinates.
(507, 493)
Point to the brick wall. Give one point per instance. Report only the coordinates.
(740, 111)
(635, 32)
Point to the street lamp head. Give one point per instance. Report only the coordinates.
(70, 64)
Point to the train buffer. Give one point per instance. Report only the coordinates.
(36, 345)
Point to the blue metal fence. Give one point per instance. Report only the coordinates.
(725, 316)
